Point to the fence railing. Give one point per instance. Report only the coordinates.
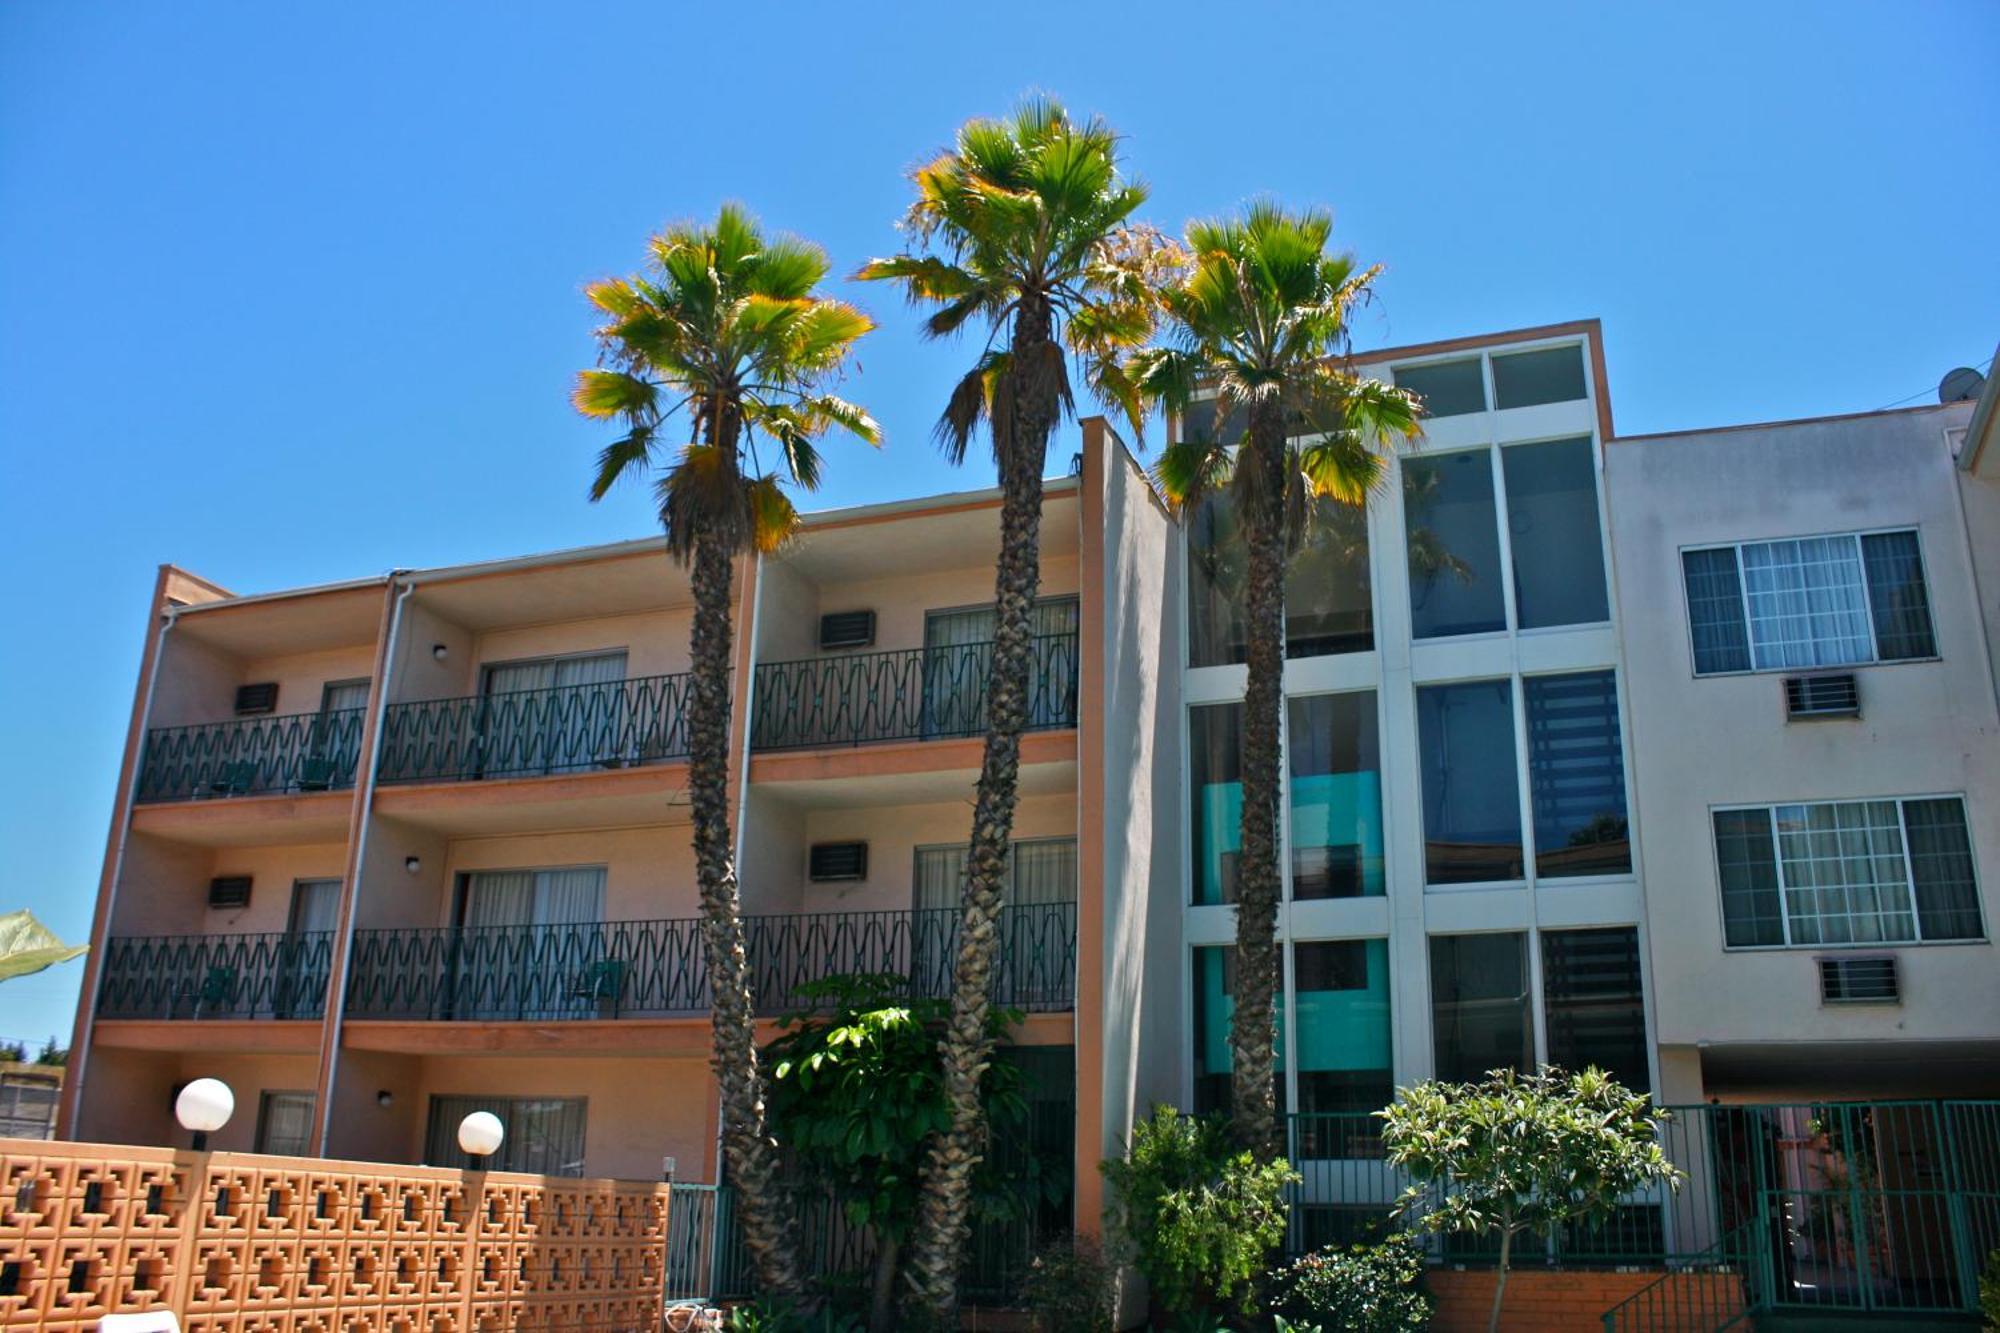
(524, 733)
(1703, 1293)
(1849, 1207)
(297, 752)
(621, 969)
(216, 976)
(907, 694)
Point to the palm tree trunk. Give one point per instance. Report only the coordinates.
(1253, 1029)
(769, 1229)
(937, 1245)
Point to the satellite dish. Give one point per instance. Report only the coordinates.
(1961, 385)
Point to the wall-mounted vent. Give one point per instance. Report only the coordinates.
(1836, 694)
(258, 698)
(1867, 980)
(836, 861)
(847, 629)
(229, 891)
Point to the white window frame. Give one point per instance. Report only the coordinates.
(1770, 809)
(1867, 600)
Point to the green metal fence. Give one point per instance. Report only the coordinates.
(909, 694)
(216, 976)
(623, 969)
(1844, 1207)
(525, 733)
(296, 752)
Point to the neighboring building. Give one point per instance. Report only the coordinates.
(30, 1093)
(1505, 775)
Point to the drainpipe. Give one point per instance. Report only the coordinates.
(86, 1025)
(336, 996)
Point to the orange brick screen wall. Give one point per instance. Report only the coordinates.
(236, 1243)
(1575, 1302)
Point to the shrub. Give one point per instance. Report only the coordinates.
(1356, 1289)
(1989, 1290)
(1195, 1216)
(1069, 1288)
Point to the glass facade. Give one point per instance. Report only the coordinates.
(1576, 775)
(1328, 606)
(1340, 1008)
(1472, 803)
(1448, 388)
(1453, 544)
(1336, 796)
(1546, 375)
(1481, 1010)
(1215, 781)
(1553, 533)
(1593, 1004)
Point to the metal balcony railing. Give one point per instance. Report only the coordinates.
(909, 694)
(623, 969)
(216, 976)
(525, 733)
(296, 752)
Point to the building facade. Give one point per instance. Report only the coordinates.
(392, 850)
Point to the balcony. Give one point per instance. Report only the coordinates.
(655, 969)
(909, 694)
(216, 976)
(298, 752)
(529, 733)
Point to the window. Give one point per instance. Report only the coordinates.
(958, 657)
(1215, 780)
(1550, 375)
(1328, 605)
(1480, 1006)
(1576, 775)
(1453, 545)
(1448, 388)
(544, 1135)
(284, 1123)
(1847, 872)
(1040, 907)
(1472, 803)
(1340, 1005)
(553, 714)
(1214, 1003)
(1591, 996)
(1336, 796)
(1552, 529)
(1808, 602)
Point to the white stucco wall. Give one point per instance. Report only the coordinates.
(1926, 727)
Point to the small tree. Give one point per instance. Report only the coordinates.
(1523, 1153)
(857, 1095)
(1196, 1215)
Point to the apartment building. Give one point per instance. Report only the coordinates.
(392, 850)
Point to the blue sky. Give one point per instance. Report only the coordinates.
(291, 293)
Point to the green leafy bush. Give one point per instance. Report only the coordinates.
(1356, 1289)
(1069, 1289)
(1989, 1290)
(1197, 1217)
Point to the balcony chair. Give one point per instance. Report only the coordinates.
(231, 779)
(315, 773)
(216, 990)
(602, 983)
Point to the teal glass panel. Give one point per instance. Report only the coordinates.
(1341, 1003)
(1215, 781)
(1336, 796)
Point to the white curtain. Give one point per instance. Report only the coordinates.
(1808, 606)
(286, 1123)
(343, 694)
(315, 905)
(567, 897)
(500, 898)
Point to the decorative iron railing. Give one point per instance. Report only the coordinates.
(909, 694)
(296, 752)
(216, 976)
(525, 733)
(1845, 1207)
(621, 969)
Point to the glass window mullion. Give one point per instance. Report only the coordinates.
(1909, 868)
(1867, 602)
(1778, 866)
(1743, 595)
(1287, 990)
(1525, 780)
(1505, 532)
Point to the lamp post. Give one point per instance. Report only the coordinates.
(480, 1135)
(203, 1107)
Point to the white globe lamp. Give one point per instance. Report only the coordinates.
(480, 1134)
(203, 1107)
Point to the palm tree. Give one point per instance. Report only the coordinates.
(726, 327)
(1021, 224)
(1261, 318)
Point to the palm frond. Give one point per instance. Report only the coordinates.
(630, 455)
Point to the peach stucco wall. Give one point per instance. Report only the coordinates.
(163, 887)
(655, 642)
(197, 682)
(893, 834)
(649, 872)
(639, 1110)
(132, 1091)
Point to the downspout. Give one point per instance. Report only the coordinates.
(86, 1009)
(336, 999)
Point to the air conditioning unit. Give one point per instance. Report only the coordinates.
(1836, 694)
(834, 862)
(228, 892)
(846, 629)
(1870, 979)
(259, 698)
